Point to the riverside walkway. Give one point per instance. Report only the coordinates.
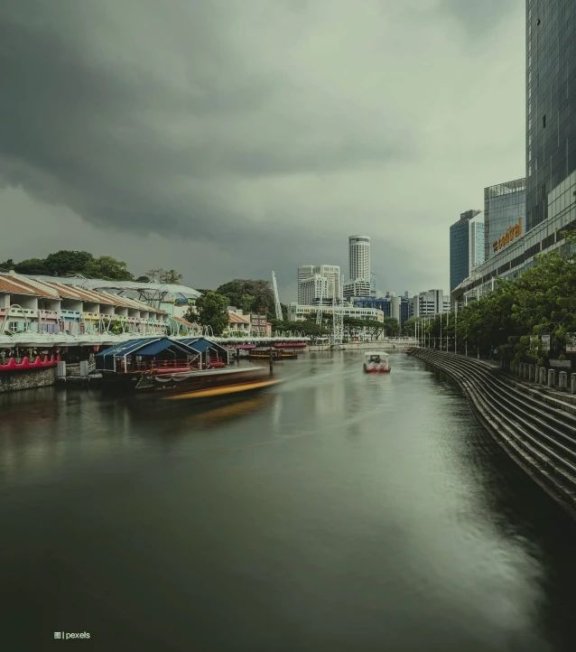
(536, 426)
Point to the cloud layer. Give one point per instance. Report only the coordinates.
(247, 135)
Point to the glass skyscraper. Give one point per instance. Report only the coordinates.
(504, 205)
(460, 248)
(550, 101)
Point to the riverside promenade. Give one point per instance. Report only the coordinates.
(535, 424)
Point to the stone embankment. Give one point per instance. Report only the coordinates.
(535, 426)
(31, 379)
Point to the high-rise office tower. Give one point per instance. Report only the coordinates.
(315, 281)
(550, 101)
(359, 258)
(504, 209)
(460, 248)
(476, 244)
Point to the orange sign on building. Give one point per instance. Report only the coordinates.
(509, 236)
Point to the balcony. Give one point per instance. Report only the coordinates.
(22, 312)
(91, 315)
(48, 314)
(70, 314)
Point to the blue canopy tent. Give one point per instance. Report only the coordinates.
(144, 352)
(209, 349)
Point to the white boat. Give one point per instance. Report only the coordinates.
(376, 362)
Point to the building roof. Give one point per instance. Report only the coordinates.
(235, 318)
(172, 289)
(12, 283)
(149, 347)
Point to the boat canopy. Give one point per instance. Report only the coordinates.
(368, 355)
(146, 347)
(202, 344)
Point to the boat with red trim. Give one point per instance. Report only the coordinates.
(166, 364)
(376, 362)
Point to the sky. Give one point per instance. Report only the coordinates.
(229, 138)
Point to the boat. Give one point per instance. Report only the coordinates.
(167, 365)
(376, 362)
(274, 353)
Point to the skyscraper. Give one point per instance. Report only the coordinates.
(460, 248)
(504, 205)
(359, 258)
(476, 244)
(550, 101)
(315, 281)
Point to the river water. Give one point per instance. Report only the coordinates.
(337, 513)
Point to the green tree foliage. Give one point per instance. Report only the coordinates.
(66, 263)
(252, 296)
(7, 264)
(108, 268)
(31, 266)
(540, 301)
(160, 275)
(211, 310)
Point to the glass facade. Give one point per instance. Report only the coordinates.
(550, 101)
(504, 205)
(476, 254)
(460, 248)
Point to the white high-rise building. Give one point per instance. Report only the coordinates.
(359, 258)
(476, 243)
(315, 281)
(432, 302)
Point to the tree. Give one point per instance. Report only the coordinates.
(32, 266)
(211, 310)
(250, 295)
(107, 267)
(160, 275)
(391, 326)
(63, 263)
(170, 276)
(7, 264)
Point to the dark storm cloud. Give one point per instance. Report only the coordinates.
(265, 131)
(95, 119)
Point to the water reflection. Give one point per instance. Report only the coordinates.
(337, 512)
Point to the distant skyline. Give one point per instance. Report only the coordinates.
(226, 139)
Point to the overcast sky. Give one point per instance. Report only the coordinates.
(227, 138)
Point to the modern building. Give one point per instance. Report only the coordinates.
(476, 243)
(359, 258)
(430, 303)
(298, 312)
(460, 248)
(504, 211)
(319, 281)
(357, 288)
(550, 101)
(520, 254)
(382, 303)
(550, 150)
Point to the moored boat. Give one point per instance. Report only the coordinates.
(168, 365)
(376, 362)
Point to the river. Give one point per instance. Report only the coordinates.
(339, 512)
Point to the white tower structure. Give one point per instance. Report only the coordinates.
(312, 278)
(277, 306)
(359, 257)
